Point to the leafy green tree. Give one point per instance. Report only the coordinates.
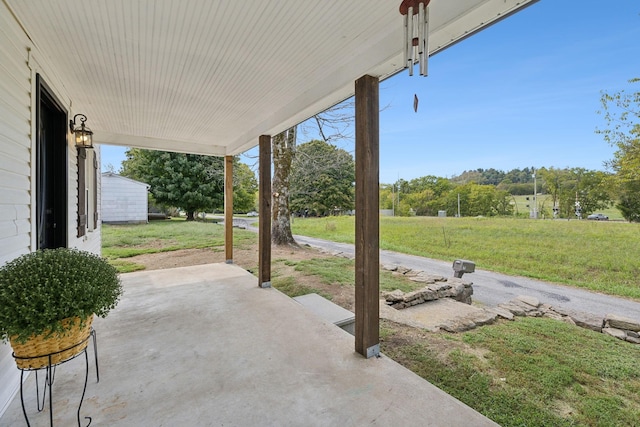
(245, 187)
(387, 196)
(429, 194)
(489, 176)
(492, 176)
(468, 176)
(189, 182)
(423, 195)
(516, 181)
(566, 186)
(476, 200)
(622, 113)
(593, 190)
(629, 202)
(516, 189)
(520, 176)
(438, 186)
(551, 179)
(404, 208)
(419, 202)
(322, 179)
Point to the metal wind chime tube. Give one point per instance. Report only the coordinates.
(409, 47)
(421, 36)
(424, 60)
(406, 40)
(416, 33)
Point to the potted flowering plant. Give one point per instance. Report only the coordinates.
(47, 302)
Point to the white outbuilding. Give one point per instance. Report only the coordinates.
(124, 200)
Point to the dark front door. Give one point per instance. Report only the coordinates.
(51, 169)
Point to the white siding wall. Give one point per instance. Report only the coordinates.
(18, 67)
(15, 140)
(15, 167)
(123, 199)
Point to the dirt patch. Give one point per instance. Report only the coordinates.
(248, 259)
(179, 258)
(407, 336)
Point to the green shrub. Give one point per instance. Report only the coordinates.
(40, 288)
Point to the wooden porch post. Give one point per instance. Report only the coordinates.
(228, 209)
(367, 237)
(264, 220)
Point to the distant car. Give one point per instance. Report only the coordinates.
(252, 213)
(598, 217)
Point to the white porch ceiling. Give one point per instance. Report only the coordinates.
(209, 77)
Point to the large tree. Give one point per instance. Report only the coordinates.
(622, 113)
(322, 179)
(423, 195)
(552, 182)
(592, 189)
(331, 125)
(189, 182)
(284, 149)
(570, 185)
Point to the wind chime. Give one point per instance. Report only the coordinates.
(416, 33)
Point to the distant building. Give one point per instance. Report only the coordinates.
(124, 200)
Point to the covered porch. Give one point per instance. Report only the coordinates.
(204, 345)
(221, 78)
(218, 78)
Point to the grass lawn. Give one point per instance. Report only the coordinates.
(120, 242)
(600, 256)
(530, 372)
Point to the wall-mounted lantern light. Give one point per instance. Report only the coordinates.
(84, 135)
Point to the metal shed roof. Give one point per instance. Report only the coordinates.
(209, 77)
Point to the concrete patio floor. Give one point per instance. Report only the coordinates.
(204, 346)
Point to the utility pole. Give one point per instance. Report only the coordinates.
(398, 191)
(535, 196)
(393, 199)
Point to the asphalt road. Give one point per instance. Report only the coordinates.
(491, 288)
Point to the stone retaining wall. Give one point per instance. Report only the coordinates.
(617, 326)
(461, 290)
(436, 287)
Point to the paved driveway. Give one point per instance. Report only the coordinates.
(492, 288)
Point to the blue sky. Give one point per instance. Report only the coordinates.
(524, 92)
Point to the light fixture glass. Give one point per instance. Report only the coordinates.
(84, 135)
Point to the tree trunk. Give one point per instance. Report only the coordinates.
(191, 216)
(283, 152)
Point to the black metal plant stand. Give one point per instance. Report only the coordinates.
(50, 371)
